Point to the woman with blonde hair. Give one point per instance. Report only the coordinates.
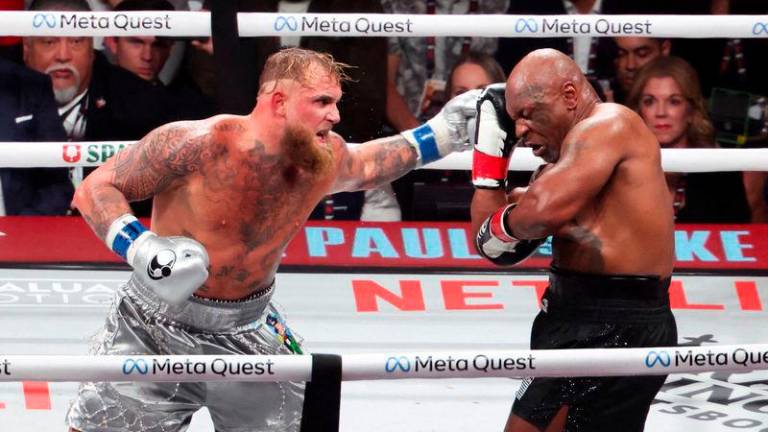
(668, 97)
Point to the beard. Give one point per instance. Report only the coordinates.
(299, 146)
(65, 95)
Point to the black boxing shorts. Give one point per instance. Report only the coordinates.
(597, 311)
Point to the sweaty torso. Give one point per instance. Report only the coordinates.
(628, 227)
(244, 204)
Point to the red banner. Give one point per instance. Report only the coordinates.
(381, 245)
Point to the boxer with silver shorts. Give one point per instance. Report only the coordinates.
(141, 323)
(230, 192)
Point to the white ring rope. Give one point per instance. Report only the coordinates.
(155, 23)
(60, 23)
(457, 364)
(93, 153)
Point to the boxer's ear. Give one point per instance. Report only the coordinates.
(278, 100)
(570, 95)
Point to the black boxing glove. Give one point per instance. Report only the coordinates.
(496, 243)
(494, 140)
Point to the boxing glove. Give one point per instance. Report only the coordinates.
(495, 241)
(446, 132)
(172, 267)
(494, 140)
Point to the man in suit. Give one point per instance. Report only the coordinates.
(99, 101)
(29, 114)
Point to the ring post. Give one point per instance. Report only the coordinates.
(322, 397)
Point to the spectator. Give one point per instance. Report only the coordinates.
(594, 55)
(144, 56)
(98, 101)
(418, 67)
(473, 70)
(417, 70)
(632, 54)
(667, 95)
(28, 113)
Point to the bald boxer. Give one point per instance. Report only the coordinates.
(602, 196)
(229, 194)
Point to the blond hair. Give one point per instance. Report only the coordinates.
(296, 64)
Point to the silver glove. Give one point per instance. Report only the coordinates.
(173, 267)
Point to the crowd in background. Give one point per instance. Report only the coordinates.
(692, 93)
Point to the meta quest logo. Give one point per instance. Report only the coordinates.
(747, 358)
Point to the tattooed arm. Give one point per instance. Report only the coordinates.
(383, 160)
(139, 172)
(374, 163)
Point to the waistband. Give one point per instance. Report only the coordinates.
(201, 313)
(576, 287)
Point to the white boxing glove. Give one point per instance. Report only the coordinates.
(173, 267)
(446, 132)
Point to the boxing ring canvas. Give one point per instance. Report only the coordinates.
(54, 312)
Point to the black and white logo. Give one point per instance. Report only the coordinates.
(161, 265)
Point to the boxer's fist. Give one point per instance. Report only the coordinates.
(494, 140)
(495, 242)
(446, 132)
(173, 267)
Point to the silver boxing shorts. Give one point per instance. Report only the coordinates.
(139, 323)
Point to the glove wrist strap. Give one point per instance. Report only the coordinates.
(428, 139)
(423, 140)
(489, 172)
(123, 234)
(499, 227)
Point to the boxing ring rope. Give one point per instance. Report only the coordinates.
(379, 366)
(184, 24)
(93, 153)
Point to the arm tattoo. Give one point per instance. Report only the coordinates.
(153, 163)
(141, 171)
(380, 161)
(108, 203)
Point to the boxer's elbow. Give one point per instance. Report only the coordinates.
(534, 229)
(535, 218)
(77, 199)
(83, 196)
(85, 193)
